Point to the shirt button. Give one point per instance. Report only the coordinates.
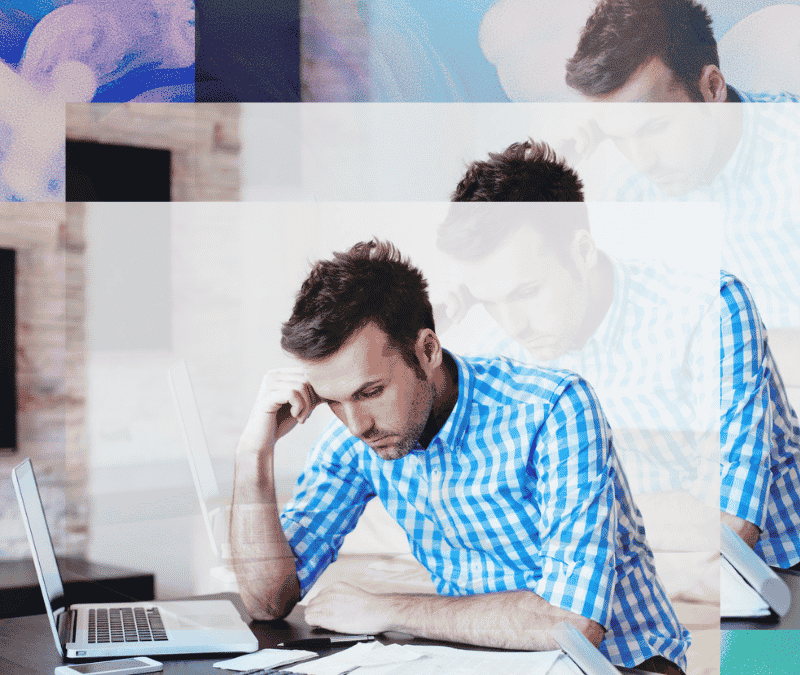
(449, 530)
(435, 473)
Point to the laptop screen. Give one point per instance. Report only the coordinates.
(44, 557)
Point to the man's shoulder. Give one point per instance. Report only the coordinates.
(767, 97)
(501, 380)
(658, 283)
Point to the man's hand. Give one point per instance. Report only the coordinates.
(285, 398)
(345, 608)
(506, 620)
(746, 530)
(579, 143)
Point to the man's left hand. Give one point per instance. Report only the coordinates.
(345, 608)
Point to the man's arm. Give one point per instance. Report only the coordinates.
(574, 492)
(509, 620)
(263, 561)
(746, 419)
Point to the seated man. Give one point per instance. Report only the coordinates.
(652, 50)
(503, 476)
(662, 52)
(642, 335)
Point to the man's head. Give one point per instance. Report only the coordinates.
(647, 50)
(528, 262)
(363, 326)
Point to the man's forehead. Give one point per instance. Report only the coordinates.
(517, 261)
(621, 120)
(652, 82)
(365, 357)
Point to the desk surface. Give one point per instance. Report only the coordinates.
(789, 622)
(26, 643)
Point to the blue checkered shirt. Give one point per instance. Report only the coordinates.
(520, 489)
(759, 433)
(759, 191)
(652, 361)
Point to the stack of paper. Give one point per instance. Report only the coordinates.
(266, 658)
(737, 597)
(376, 659)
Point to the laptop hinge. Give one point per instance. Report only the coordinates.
(67, 625)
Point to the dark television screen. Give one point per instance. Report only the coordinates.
(8, 352)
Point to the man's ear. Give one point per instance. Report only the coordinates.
(584, 251)
(712, 85)
(429, 349)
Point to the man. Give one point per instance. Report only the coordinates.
(663, 52)
(503, 477)
(652, 50)
(641, 334)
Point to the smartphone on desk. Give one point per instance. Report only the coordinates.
(131, 666)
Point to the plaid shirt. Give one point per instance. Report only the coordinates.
(520, 489)
(759, 191)
(652, 363)
(759, 434)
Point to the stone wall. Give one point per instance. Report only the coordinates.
(49, 242)
(203, 139)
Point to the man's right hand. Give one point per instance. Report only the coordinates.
(579, 140)
(285, 398)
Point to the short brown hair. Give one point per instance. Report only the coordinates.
(369, 283)
(622, 35)
(523, 172)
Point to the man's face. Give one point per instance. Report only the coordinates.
(538, 298)
(673, 145)
(374, 392)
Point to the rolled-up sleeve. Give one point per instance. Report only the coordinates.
(574, 491)
(329, 499)
(745, 411)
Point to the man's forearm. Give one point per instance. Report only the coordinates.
(749, 533)
(262, 558)
(507, 620)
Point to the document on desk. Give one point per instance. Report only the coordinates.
(377, 659)
(737, 597)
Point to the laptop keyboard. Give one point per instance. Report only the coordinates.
(126, 624)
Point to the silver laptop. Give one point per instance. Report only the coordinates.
(123, 629)
(215, 508)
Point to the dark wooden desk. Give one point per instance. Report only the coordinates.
(26, 643)
(87, 581)
(791, 621)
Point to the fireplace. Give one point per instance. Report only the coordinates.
(105, 172)
(8, 351)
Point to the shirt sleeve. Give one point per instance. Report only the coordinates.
(574, 490)
(745, 412)
(330, 497)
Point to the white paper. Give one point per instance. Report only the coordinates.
(372, 656)
(376, 659)
(265, 658)
(737, 597)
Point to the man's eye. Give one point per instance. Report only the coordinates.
(372, 392)
(527, 291)
(656, 127)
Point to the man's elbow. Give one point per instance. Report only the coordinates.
(274, 608)
(591, 630)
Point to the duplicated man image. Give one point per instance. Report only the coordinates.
(503, 475)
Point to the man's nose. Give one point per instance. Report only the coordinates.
(515, 322)
(357, 419)
(642, 156)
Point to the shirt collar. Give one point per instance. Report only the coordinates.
(739, 165)
(610, 328)
(453, 430)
